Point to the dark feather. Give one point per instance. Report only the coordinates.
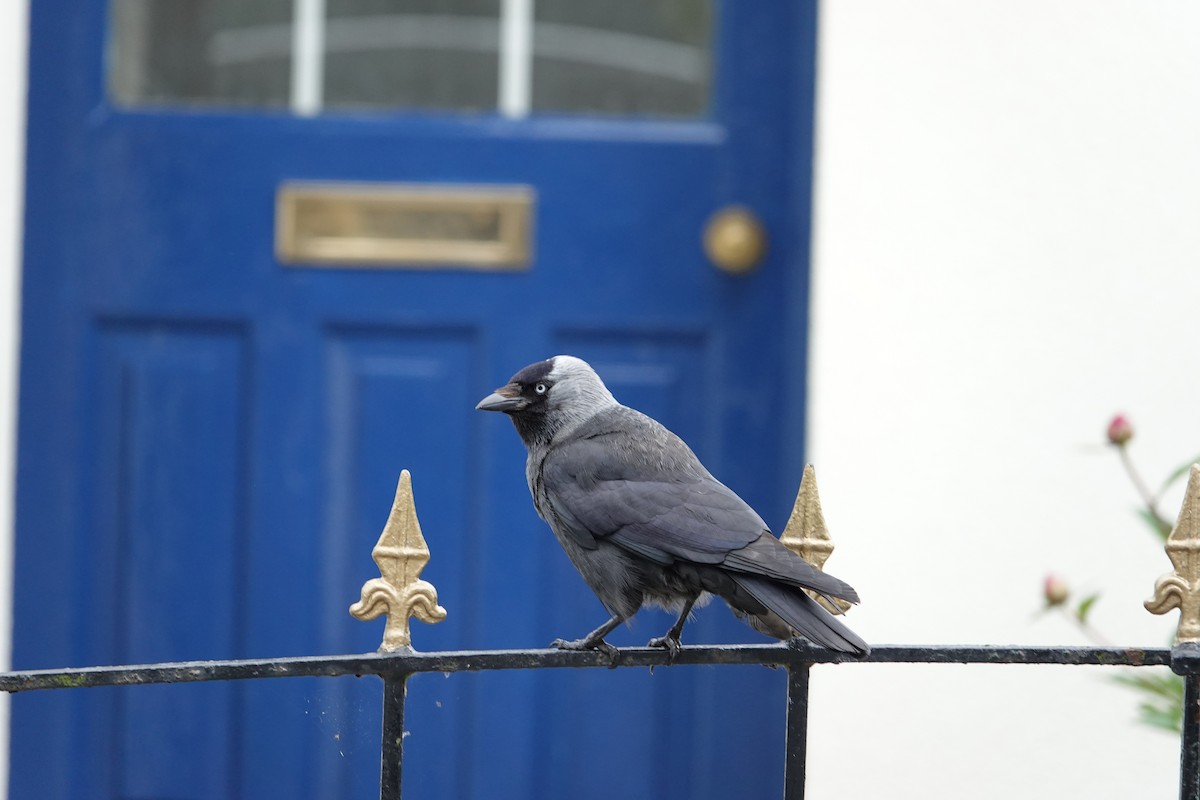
(803, 614)
(767, 556)
(618, 484)
(614, 485)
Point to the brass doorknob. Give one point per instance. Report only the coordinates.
(735, 240)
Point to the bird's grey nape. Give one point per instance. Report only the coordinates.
(577, 392)
(574, 394)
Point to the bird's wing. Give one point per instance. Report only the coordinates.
(667, 511)
(659, 511)
(803, 615)
(768, 557)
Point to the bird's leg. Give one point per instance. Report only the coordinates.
(594, 640)
(670, 640)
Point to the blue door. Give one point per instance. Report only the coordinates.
(214, 410)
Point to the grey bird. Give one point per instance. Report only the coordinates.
(645, 523)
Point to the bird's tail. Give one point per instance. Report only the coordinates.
(802, 614)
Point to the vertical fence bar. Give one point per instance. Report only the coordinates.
(394, 689)
(1189, 751)
(797, 733)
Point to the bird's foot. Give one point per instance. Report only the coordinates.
(669, 642)
(588, 643)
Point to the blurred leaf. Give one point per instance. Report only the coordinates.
(1169, 685)
(1162, 707)
(1167, 719)
(1178, 473)
(1159, 526)
(1085, 607)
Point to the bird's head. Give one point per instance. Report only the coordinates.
(550, 396)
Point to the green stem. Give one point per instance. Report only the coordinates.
(1091, 633)
(1148, 497)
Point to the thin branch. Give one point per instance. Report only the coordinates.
(1148, 497)
(1091, 633)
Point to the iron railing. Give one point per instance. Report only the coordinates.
(797, 658)
(401, 553)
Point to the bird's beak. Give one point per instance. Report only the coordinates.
(506, 398)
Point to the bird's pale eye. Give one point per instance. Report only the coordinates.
(540, 388)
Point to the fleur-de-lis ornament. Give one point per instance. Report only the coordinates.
(1181, 588)
(401, 554)
(807, 536)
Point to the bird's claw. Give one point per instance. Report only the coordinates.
(614, 655)
(669, 643)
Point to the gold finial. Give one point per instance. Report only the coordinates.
(1181, 588)
(401, 554)
(806, 535)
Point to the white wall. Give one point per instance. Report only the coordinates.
(13, 35)
(1007, 252)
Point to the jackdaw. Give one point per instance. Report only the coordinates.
(644, 522)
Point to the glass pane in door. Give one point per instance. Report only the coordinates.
(616, 57)
(623, 56)
(208, 52)
(433, 54)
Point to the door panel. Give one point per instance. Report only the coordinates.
(176, 529)
(210, 439)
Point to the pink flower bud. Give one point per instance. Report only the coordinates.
(1055, 590)
(1119, 430)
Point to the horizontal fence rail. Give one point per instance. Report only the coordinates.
(770, 655)
(797, 657)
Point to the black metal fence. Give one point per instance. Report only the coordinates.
(796, 657)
